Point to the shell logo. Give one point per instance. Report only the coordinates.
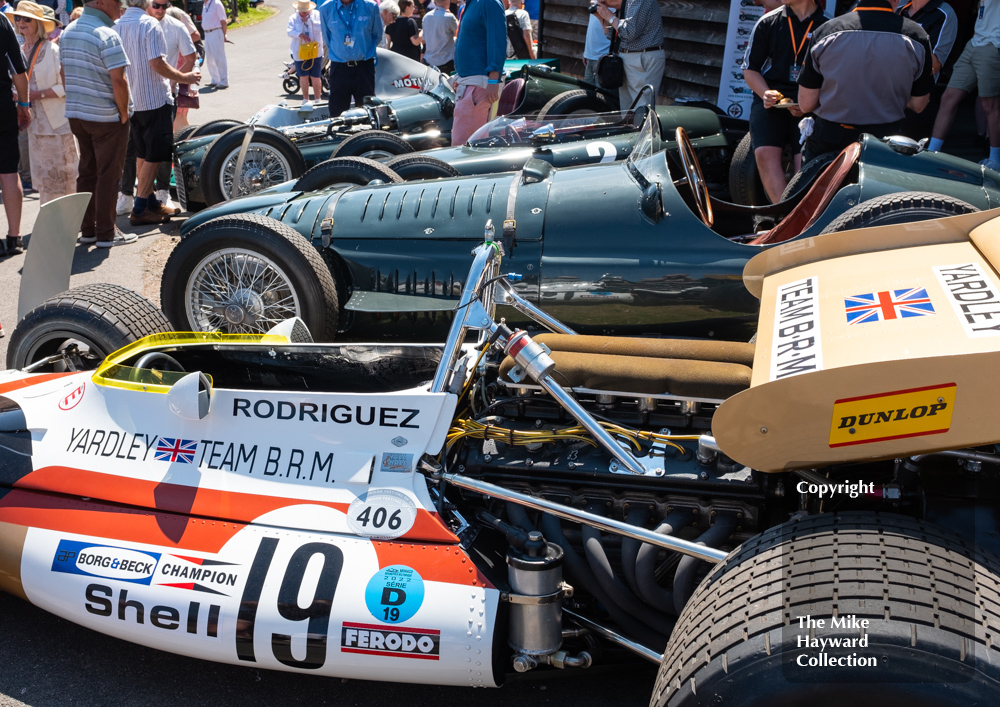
(74, 398)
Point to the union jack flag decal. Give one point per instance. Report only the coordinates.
(880, 306)
(172, 449)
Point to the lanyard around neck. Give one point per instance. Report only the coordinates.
(805, 36)
(872, 9)
(354, 11)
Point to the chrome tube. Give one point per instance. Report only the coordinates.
(637, 648)
(484, 266)
(593, 426)
(575, 515)
(526, 308)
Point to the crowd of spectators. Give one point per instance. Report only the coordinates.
(82, 92)
(823, 82)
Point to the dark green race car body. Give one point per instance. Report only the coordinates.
(423, 120)
(604, 248)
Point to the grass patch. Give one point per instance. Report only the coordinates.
(253, 16)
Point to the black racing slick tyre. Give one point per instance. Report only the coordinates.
(576, 102)
(903, 207)
(245, 274)
(373, 144)
(918, 607)
(271, 159)
(354, 171)
(745, 186)
(803, 179)
(184, 133)
(97, 319)
(214, 127)
(413, 167)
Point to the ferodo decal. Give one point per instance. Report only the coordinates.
(896, 415)
(974, 297)
(118, 563)
(74, 397)
(893, 304)
(796, 347)
(381, 513)
(396, 642)
(394, 594)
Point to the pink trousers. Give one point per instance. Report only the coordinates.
(471, 113)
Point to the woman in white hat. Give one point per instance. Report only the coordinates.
(304, 28)
(54, 158)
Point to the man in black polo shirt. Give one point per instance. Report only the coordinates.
(862, 71)
(941, 25)
(778, 45)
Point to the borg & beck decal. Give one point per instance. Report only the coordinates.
(144, 567)
(796, 346)
(973, 296)
(406, 642)
(121, 564)
(896, 415)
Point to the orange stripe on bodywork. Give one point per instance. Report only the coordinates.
(436, 563)
(196, 501)
(31, 380)
(39, 510)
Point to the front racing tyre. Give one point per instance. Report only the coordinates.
(214, 127)
(576, 102)
(929, 597)
(373, 144)
(244, 274)
(271, 159)
(413, 167)
(345, 171)
(96, 319)
(902, 207)
(184, 133)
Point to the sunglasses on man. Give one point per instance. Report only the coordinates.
(158, 6)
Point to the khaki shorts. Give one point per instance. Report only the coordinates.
(977, 67)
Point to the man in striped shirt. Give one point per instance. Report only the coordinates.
(149, 77)
(98, 108)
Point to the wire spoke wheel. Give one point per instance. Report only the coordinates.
(263, 167)
(239, 291)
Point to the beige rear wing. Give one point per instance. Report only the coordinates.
(877, 343)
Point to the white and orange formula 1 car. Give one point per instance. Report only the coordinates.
(808, 519)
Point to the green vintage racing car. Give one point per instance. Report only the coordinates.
(631, 247)
(206, 166)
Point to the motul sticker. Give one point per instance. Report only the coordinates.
(421, 643)
(903, 413)
(408, 82)
(974, 297)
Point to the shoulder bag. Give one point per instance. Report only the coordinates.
(611, 67)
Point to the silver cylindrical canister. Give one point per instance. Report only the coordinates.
(535, 627)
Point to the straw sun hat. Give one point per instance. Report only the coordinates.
(32, 11)
(304, 6)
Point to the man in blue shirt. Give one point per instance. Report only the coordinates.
(480, 51)
(352, 30)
